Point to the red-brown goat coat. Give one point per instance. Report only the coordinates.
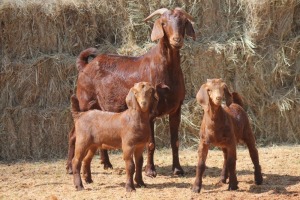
(129, 130)
(224, 126)
(106, 80)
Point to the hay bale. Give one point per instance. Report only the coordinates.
(253, 45)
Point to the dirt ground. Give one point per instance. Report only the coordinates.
(48, 179)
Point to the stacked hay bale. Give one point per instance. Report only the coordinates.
(253, 45)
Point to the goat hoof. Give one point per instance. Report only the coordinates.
(223, 180)
(233, 187)
(196, 189)
(88, 180)
(107, 165)
(79, 188)
(140, 184)
(130, 189)
(258, 180)
(178, 171)
(150, 171)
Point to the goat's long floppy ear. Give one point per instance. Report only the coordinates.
(228, 96)
(189, 30)
(131, 100)
(202, 97)
(157, 31)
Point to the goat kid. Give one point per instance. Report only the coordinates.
(224, 127)
(129, 130)
(106, 80)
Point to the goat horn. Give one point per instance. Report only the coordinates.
(159, 11)
(185, 13)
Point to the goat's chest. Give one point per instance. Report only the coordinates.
(219, 135)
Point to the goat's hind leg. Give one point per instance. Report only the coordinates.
(255, 159)
(86, 165)
(71, 149)
(76, 165)
(104, 159)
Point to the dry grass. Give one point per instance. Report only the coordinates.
(47, 180)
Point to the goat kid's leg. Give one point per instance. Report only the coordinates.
(105, 159)
(224, 173)
(129, 166)
(86, 165)
(150, 168)
(231, 166)
(202, 155)
(138, 156)
(76, 165)
(71, 149)
(174, 120)
(255, 160)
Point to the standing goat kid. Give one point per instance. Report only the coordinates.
(224, 126)
(106, 80)
(129, 130)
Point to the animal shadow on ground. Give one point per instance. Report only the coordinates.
(274, 183)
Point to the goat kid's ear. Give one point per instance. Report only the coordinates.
(189, 30)
(228, 96)
(202, 97)
(130, 99)
(157, 31)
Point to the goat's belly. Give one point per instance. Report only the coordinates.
(111, 147)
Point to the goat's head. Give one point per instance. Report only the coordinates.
(213, 92)
(142, 96)
(173, 24)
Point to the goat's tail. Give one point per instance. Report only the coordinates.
(237, 99)
(83, 58)
(75, 110)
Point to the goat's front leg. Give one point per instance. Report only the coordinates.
(202, 155)
(138, 156)
(231, 165)
(129, 166)
(104, 159)
(71, 149)
(224, 173)
(150, 168)
(174, 121)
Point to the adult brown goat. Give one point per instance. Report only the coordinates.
(224, 126)
(106, 80)
(129, 130)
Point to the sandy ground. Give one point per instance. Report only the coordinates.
(48, 179)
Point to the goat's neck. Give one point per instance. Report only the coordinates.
(172, 55)
(214, 113)
(138, 116)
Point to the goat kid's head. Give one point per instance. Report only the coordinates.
(213, 92)
(142, 96)
(173, 24)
